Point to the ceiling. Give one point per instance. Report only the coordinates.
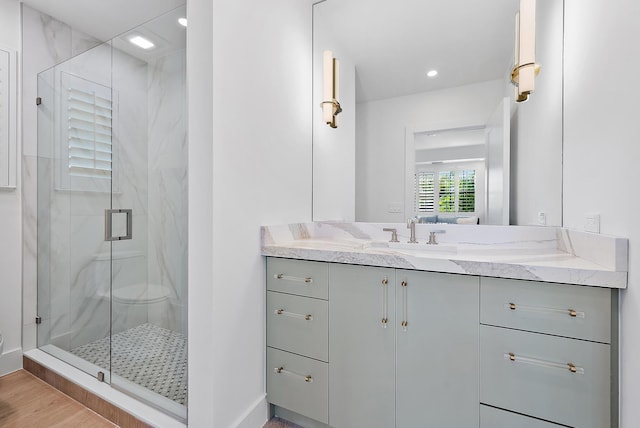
(394, 43)
(104, 19)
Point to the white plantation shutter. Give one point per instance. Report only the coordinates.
(446, 191)
(89, 134)
(424, 191)
(466, 191)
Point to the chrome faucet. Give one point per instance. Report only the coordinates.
(411, 224)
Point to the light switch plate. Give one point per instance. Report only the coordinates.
(394, 207)
(542, 218)
(592, 223)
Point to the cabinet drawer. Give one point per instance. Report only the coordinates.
(298, 384)
(299, 277)
(490, 417)
(539, 381)
(560, 309)
(298, 324)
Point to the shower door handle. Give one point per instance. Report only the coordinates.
(108, 224)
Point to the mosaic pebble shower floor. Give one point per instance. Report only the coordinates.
(148, 355)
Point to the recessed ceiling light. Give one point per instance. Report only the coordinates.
(141, 42)
(432, 73)
(182, 21)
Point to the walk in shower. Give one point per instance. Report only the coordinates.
(112, 220)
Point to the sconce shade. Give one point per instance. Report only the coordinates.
(330, 105)
(525, 69)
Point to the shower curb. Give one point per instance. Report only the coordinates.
(81, 395)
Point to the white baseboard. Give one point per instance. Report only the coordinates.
(10, 361)
(256, 416)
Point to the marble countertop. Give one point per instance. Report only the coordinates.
(548, 254)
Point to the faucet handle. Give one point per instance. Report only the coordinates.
(394, 233)
(432, 236)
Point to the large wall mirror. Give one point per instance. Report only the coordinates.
(453, 147)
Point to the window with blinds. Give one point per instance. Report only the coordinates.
(89, 133)
(467, 191)
(445, 191)
(425, 191)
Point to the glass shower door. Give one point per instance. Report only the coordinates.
(149, 280)
(112, 220)
(74, 189)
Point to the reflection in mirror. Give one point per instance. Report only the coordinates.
(379, 165)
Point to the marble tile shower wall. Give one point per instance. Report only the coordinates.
(46, 42)
(168, 185)
(77, 272)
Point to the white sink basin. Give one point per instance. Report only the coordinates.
(413, 249)
(328, 244)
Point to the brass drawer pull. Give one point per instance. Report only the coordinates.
(385, 302)
(571, 312)
(281, 370)
(282, 312)
(405, 322)
(542, 363)
(307, 280)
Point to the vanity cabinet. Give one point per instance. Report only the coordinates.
(490, 417)
(362, 346)
(545, 352)
(297, 337)
(403, 348)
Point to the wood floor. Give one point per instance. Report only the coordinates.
(26, 401)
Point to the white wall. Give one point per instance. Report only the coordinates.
(380, 139)
(10, 232)
(601, 149)
(249, 86)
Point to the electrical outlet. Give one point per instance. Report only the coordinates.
(542, 218)
(592, 223)
(394, 207)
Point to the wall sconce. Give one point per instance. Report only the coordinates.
(330, 105)
(525, 69)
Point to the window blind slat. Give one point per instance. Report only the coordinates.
(90, 115)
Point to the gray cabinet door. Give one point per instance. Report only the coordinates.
(437, 352)
(361, 349)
